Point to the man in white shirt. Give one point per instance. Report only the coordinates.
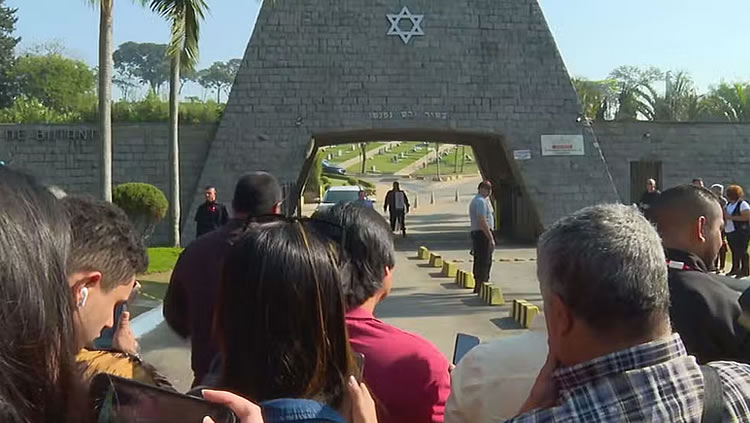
(482, 217)
(494, 379)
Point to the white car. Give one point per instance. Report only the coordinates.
(343, 194)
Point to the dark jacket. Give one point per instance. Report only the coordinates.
(390, 201)
(209, 217)
(705, 311)
(193, 292)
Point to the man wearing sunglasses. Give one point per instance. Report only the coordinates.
(193, 289)
(106, 254)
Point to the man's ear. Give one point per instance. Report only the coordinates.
(560, 316)
(276, 208)
(702, 228)
(84, 279)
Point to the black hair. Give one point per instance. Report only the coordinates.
(368, 246)
(208, 187)
(256, 194)
(281, 315)
(683, 203)
(39, 381)
(103, 240)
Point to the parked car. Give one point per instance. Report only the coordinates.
(333, 169)
(344, 194)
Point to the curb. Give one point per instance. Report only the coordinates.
(148, 321)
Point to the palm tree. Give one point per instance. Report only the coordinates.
(678, 102)
(633, 82)
(731, 101)
(597, 98)
(106, 65)
(185, 16)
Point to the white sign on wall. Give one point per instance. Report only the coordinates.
(522, 154)
(562, 145)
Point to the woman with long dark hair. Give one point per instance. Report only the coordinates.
(39, 381)
(737, 228)
(281, 324)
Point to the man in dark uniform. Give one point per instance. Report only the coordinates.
(397, 203)
(704, 311)
(210, 215)
(194, 286)
(649, 197)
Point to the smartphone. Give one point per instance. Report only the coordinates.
(464, 343)
(118, 400)
(360, 359)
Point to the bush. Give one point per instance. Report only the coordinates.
(352, 181)
(144, 204)
(325, 181)
(31, 110)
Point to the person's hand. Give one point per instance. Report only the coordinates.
(363, 406)
(124, 338)
(544, 393)
(492, 241)
(245, 410)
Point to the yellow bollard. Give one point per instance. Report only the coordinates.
(436, 260)
(450, 269)
(423, 253)
(496, 296)
(531, 312)
(459, 278)
(469, 281)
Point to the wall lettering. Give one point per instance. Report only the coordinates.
(80, 134)
(407, 114)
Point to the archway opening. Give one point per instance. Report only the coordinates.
(430, 157)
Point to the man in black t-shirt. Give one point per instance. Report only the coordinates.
(210, 215)
(649, 197)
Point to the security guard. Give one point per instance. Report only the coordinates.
(705, 310)
(210, 215)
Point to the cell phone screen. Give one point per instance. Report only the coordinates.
(119, 400)
(464, 343)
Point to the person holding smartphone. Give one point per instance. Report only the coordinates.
(612, 354)
(408, 375)
(280, 322)
(106, 255)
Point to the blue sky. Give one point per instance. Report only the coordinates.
(707, 39)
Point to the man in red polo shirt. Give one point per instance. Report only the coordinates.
(407, 374)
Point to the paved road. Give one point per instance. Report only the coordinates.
(421, 301)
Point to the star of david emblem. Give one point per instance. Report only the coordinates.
(416, 25)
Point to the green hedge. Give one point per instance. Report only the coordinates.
(144, 204)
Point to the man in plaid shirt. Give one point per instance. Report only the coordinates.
(612, 354)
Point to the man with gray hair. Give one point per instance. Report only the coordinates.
(612, 354)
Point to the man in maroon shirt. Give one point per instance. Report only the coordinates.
(193, 289)
(407, 374)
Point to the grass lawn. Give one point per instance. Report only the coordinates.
(447, 165)
(162, 259)
(383, 163)
(346, 151)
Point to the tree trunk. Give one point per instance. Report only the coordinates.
(218, 96)
(455, 161)
(463, 158)
(105, 95)
(174, 151)
(437, 159)
(363, 147)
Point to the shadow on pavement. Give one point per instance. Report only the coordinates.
(424, 305)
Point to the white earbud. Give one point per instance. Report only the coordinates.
(84, 296)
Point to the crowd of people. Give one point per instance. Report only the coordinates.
(281, 314)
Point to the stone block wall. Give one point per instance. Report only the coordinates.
(716, 152)
(68, 156)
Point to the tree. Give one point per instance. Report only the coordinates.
(185, 17)
(598, 98)
(8, 44)
(632, 82)
(146, 61)
(106, 21)
(679, 100)
(57, 82)
(731, 101)
(219, 76)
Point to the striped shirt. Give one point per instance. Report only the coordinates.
(652, 382)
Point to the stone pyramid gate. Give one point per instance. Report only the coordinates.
(486, 73)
